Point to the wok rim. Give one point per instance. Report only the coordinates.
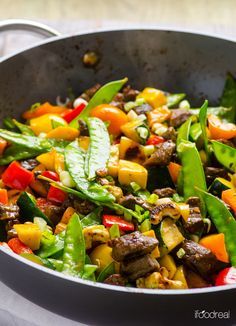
(103, 286)
(135, 28)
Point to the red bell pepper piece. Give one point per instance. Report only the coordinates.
(226, 276)
(51, 175)
(155, 140)
(16, 177)
(56, 195)
(74, 113)
(109, 220)
(19, 247)
(3, 196)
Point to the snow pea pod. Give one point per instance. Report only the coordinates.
(25, 146)
(225, 154)
(228, 98)
(93, 218)
(227, 114)
(192, 170)
(223, 220)
(107, 271)
(74, 249)
(24, 129)
(74, 158)
(99, 148)
(195, 131)
(174, 99)
(54, 246)
(203, 124)
(183, 132)
(104, 95)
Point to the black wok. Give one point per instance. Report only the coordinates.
(170, 60)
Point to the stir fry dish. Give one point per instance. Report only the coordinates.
(126, 187)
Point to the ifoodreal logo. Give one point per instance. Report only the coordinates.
(203, 314)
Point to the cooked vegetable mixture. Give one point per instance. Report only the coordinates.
(122, 186)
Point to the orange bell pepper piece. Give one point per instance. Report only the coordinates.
(219, 129)
(3, 196)
(216, 243)
(174, 170)
(159, 115)
(43, 109)
(229, 197)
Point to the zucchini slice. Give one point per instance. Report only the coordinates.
(219, 185)
(170, 234)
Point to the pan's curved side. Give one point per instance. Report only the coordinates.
(100, 306)
(174, 61)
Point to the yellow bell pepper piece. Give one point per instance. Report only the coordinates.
(153, 97)
(84, 142)
(180, 276)
(59, 163)
(184, 210)
(101, 256)
(44, 123)
(48, 160)
(168, 262)
(66, 133)
(132, 172)
(113, 162)
(29, 234)
(125, 145)
(155, 253)
(129, 129)
(158, 115)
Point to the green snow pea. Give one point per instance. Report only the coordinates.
(203, 125)
(174, 99)
(88, 273)
(183, 132)
(223, 113)
(51, 245)
(93, 218)
(192, 170)
(223, 220)
(56, 263)
(104, 95)
(74, 158)
(107, 271)
(228, 98)
(74, 248)
(24, 129)
(195, 131)
(25, 146)
(99, 148)
(225, 154)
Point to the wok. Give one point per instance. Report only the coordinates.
(171, 60)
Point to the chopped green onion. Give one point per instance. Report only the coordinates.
(180, 253)
(184, 104)
(114, 231)
(42, 224)
(135, 186)
(208, 222)
(152, 199)
(129, 106)
(145, 226)
(143, 132)
(177, 198)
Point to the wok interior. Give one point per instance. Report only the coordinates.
(173, 61)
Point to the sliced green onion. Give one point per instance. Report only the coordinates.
(114, 231)
(145, 226)
(180, 253)
(152, 199)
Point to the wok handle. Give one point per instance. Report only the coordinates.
(27, 25)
